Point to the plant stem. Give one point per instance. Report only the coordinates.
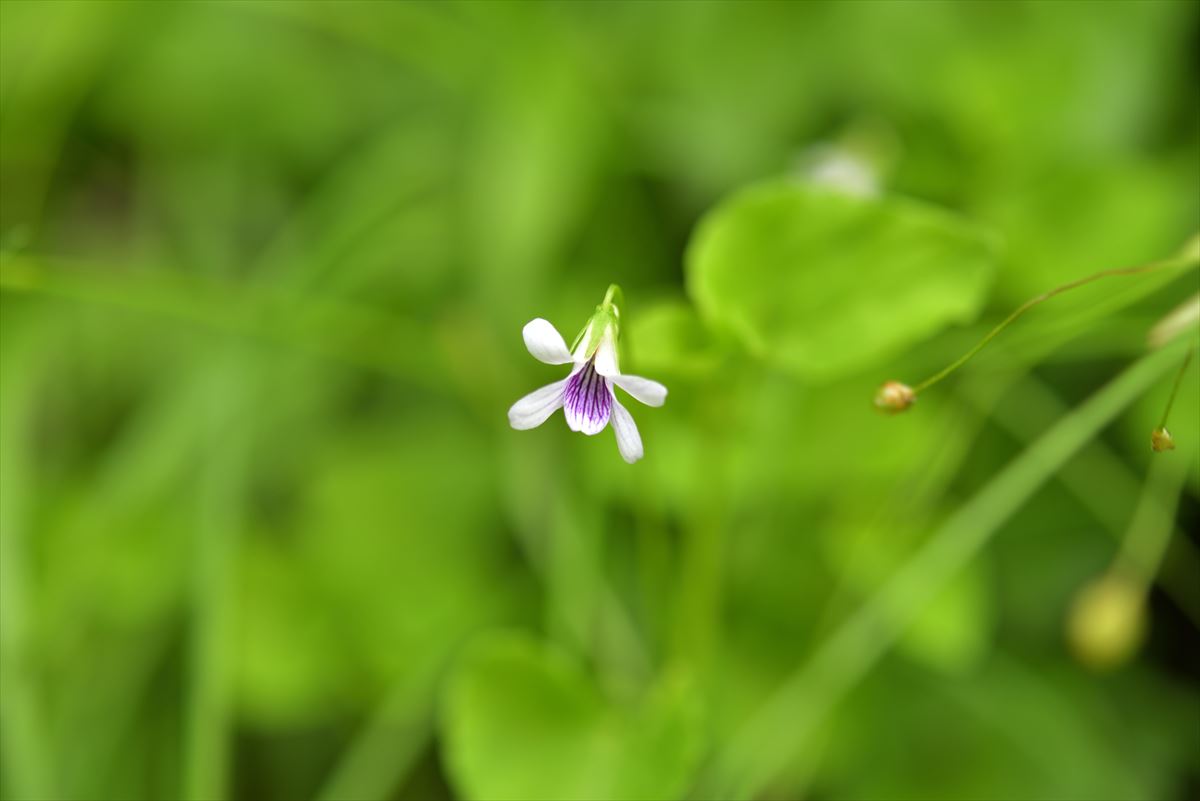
(1032, 407)
(24, 741)
(1175, 389)
(614, 298)
(1150, 531)
(384, 752)
(209, 701)
(757, 753)
(1029, 304)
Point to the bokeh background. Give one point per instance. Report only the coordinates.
(264, 529)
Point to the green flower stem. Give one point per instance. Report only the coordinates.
(387, 748)
(614, 298)
(24, 735)
(756, 754)
(1186, 260)
(1030, 408)
(607, 314)
(574, 579)
(1153, 522)
(209, 705)
(1175, 389)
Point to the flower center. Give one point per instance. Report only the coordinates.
(588, 401)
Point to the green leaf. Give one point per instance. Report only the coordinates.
(668, 337)
(823, 283)
(523, 720)
(953, 632)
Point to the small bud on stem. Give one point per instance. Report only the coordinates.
(893, 403)
(1161, 439)
(894, 397)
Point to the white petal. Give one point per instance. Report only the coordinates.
(606, 354)
(629, 441)
(533, 409)
(545, 343)
(648, 392)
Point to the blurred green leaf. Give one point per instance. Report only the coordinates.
(291, 667)
(522, 720)
(669, 337)
(1134, 212)
(1020, 730)
(376, 538)
(953, 631)
(753, 757)
(532, 154)
(822, 283)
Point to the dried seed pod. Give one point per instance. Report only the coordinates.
(894, 397)
(1161, 440)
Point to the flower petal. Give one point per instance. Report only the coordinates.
(648, 392)
(545, 343)
(587, 401)
(533, 409)
(629, 441)
(606, 354)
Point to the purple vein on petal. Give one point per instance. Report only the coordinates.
(588, 399)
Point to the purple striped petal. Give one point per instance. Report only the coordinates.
(587, 401)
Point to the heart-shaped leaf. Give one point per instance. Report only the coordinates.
(523, 720)
(825, 283)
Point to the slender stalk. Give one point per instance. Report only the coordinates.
(757, 753)
(1029, 304)
(209, 694)
(1175, 389)
(614, 298)
(574, 580)
(1153, 523)
(1031, 408)
(25, 744)
(384, 752)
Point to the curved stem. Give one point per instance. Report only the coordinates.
(756, 754)
(614, 298)
(1029, 304)
(1175, 389)
(1149, 534)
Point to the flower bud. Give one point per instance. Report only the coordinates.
(1107, 621)
(1161, 440)
(894, 397)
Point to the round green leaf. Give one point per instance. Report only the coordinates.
(825, 283)
(523, 720)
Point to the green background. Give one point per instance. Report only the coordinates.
(266, 533)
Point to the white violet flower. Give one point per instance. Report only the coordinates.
(586, 395)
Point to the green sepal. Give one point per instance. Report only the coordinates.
(607, 314)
